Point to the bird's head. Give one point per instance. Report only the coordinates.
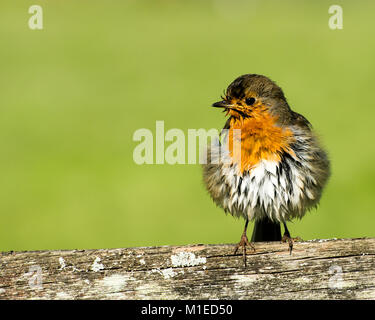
(251, 95)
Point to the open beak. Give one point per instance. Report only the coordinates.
(229, 106)
(223, 104)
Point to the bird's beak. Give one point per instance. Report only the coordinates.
(230, 108)
(223, 104)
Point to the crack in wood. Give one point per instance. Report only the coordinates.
(319, 269)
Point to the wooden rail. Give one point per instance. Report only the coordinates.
(318, 269)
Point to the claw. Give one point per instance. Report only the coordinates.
(243, 243)
(287, 238)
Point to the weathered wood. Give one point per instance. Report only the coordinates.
(319, 269)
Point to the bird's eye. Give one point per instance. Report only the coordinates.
(250, 101)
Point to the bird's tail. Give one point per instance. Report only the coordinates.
(266, 230)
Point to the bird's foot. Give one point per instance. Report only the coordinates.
(287, 238)
(244, 242)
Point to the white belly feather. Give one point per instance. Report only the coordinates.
(279, 190)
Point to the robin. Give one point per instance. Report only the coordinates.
(280, 169)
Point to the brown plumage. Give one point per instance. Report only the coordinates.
(279, 171)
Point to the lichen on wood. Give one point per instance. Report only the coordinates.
(318, 269)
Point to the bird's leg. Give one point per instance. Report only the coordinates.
(243, 243)
(287, 238)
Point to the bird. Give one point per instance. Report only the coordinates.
(267, 165)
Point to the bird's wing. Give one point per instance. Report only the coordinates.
(301, 121)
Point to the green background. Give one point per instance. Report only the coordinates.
(72, 95)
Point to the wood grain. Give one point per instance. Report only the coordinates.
(318, 269)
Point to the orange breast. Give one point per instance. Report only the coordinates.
(260, 139)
